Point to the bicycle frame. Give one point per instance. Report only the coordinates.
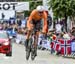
(34, 37)
(32, 45)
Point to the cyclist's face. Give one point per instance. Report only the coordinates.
(40, 13)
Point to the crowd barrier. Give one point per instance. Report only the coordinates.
(63, 46)
(66, 47)
(20, 38)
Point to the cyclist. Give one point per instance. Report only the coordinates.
(34, 22)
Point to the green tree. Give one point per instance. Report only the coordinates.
(62, 8)
(32, 6)
(27, 0)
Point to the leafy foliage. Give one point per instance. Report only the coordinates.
(62, 7)
(25, 0)
(34, 4)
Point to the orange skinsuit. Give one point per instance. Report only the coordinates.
(35, 16)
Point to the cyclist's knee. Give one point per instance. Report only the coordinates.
(28, 33)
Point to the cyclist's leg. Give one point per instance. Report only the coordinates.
(36, 42)
(37, 27)
(27, 38)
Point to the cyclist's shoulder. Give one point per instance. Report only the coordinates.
(45, 14)
(34, 11)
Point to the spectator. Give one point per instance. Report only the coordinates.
(49, 21)
(58, 28)
(73, 31)
(11, 21)
(66, 36)
(19, 22)
(23, 25)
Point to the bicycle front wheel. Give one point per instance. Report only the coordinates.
(28, 49)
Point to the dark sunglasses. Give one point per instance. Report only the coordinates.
(40, 12)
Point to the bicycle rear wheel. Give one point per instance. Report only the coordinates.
(27, 54)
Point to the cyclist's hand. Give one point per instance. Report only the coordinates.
(44, 32)
(32, 27)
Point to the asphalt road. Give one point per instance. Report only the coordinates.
(44, 57)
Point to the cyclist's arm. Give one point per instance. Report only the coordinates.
(29, 25)
(45, 23)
